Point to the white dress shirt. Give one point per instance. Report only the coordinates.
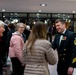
(61, 37)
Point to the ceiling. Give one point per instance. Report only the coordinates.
(53, 6)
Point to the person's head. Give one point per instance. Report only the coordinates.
(39, 31)
(20, 27)
(11, 26)
(60, 25)
(7, 22)
(2, 29)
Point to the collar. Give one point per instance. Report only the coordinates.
(64, 31)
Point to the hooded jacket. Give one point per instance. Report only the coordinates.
(16, 46)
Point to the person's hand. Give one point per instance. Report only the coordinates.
(70, 70)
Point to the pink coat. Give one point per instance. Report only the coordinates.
(16, 46)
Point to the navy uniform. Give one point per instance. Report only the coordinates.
(66, 51)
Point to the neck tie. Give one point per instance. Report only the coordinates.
(61, 37)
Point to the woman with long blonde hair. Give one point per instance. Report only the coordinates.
(37, 52)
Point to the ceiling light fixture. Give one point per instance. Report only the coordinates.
(43, 5)
(73, 11)
(3, 9)
(38, 14)
(3, 16)
(40, 11)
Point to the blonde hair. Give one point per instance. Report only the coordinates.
(18, 25)
(39, 31)
(1, 23)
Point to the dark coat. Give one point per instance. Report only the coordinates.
(9, 35)
(3, 45)
(27, 33)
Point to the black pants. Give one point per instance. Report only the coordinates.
(1, 71)
(62, 68)
(1, 66)
(18, 69)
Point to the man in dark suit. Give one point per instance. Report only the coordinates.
(65, 43)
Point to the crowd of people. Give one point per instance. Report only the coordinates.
(30, 51)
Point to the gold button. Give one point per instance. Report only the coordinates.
(60, 54)
(64, 49)
(63, 54)
(63, 58)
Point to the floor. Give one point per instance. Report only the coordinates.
(52, 68)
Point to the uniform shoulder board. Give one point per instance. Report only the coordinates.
(74, 60)
(75, 41)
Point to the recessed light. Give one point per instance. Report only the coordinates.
(40, 11)
(73, 11)
(43, 5)
(3, 9)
